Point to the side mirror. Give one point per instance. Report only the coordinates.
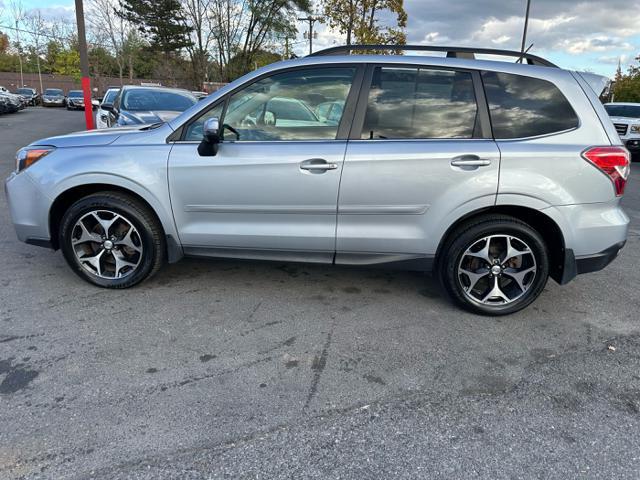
(210, 137)
(107, 106)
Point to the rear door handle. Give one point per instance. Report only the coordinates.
(317, 165)
(470, 161)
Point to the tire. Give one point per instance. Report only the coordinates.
(470, 266)
(134, 248)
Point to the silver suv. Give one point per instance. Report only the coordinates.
(493, 175)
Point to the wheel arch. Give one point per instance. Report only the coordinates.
(70, 195)
(544, 224)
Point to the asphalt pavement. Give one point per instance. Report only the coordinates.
(229, 369)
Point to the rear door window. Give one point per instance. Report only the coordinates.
(523, 106)
(420, 103)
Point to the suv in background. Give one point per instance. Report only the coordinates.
(54, 97)
(626, 119)
(494, 176)
(30, 94)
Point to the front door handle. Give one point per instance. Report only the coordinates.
(317, 165)
(470, 161)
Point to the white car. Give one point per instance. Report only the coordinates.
(102, 116)
(626, 119)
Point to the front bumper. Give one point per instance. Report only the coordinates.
(633, 145)
(29, 209)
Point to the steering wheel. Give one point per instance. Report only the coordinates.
(247, 122)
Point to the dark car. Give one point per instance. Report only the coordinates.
(54, 97)
(75, 100)
(136, 105)
(30, 94)
(9, 103)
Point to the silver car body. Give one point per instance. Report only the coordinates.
(388, 201)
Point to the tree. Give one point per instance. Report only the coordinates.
(627, 86)
(102, 20)
(197, 16)
(161, 22)
(358, 20)
(242, 28)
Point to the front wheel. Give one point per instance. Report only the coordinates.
(495, 265)
(112, 240)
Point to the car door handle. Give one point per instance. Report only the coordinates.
(470, 161)
(317, 165)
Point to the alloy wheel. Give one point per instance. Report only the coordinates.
(107, 244)
(497, 270)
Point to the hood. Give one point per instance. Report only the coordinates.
(151, 116)
(90, 138)
(624, 120)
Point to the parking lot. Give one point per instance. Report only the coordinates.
(229, 369)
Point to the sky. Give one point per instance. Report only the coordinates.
(579, 35)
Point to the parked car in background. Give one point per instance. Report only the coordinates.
(16, 100)
(54, 97)
(102, 115)
(626, 119)
(137, 105)
(4, 104)
(75, 100)
(495, 176)
(30, 94)
(11, 102)
(200, 95)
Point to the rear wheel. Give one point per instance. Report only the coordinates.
(495, 265)
(112, 240)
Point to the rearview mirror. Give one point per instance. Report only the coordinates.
(210, 137)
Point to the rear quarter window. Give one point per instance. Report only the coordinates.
(523, 106)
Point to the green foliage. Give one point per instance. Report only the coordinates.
(358, 20)
(161, 22)
(627, 87)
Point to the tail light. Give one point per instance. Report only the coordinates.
(612, 161)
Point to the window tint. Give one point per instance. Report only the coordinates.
(526, 107)
(284, 106)
(630, 111)
(420, 103)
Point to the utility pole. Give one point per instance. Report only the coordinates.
(84, 65)
(311, 20)
(19, 55)
(526, 25)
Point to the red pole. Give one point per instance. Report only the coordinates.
(84, 66)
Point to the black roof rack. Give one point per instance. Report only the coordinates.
(452, 52)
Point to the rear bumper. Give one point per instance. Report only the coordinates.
(593, 263)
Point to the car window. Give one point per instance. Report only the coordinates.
(525, 106)
(630, 111)
(283, 106)
(75, 94)
(52, 91)
(109, 96)
(194, 130)
(420, 103)
(141, 100)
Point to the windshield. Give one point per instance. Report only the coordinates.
(53, 91)
(25, 91)
(631, 111)
(75, 93)
(143, 99)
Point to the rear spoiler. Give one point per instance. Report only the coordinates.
(598, 83)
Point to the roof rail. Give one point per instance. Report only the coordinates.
(452, 52)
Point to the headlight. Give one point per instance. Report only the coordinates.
(27, 156)
(635, 128)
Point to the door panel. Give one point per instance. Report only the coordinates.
(255, 195)
(395, 196)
